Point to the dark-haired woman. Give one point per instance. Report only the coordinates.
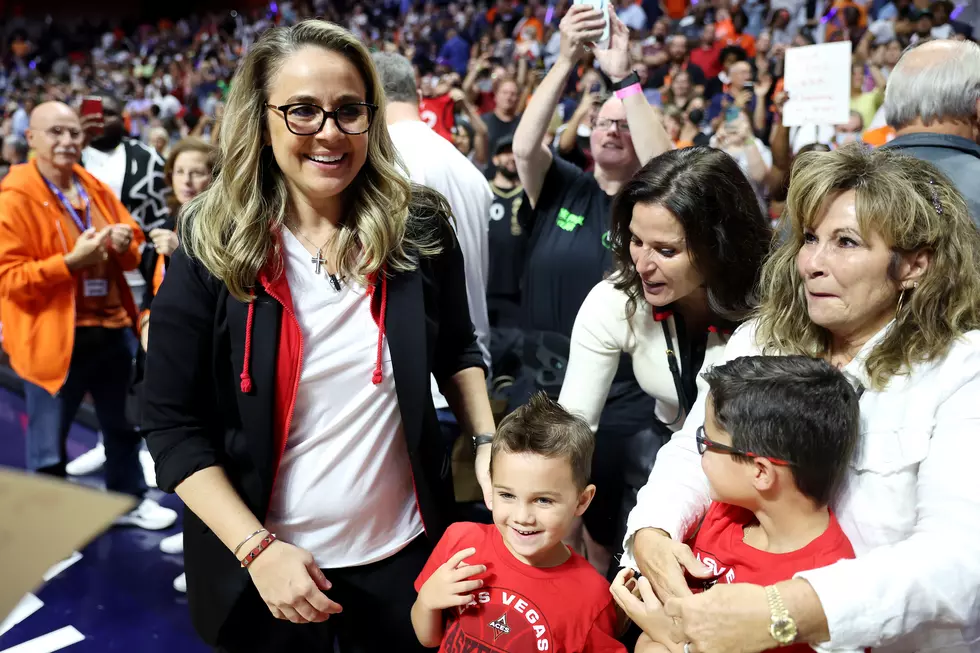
(688, 239)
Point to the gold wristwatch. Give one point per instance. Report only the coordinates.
(782, 628)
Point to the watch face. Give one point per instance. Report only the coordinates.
(783, 630)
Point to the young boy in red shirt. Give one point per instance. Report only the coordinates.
(778, 434)
(514, 586)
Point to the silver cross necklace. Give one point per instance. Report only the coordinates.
(318, 261)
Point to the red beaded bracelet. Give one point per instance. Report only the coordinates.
(254, 553)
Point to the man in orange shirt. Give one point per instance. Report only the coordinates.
(65, 240)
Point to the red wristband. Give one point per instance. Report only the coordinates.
(254, 553)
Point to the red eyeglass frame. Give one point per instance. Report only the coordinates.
(707, 444)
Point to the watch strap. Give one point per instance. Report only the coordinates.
(629, 80)
(481, 439)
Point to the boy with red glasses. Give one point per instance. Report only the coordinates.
(779, 432)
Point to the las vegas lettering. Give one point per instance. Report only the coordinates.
(499, 620)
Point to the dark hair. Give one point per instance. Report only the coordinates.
(733, 50)
(543, 427)
(796, 408)
(724, 228)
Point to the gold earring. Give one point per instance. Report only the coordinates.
(901, 296)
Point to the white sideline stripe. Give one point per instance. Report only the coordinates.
(54, 641)
(61, 566)
(27, 606)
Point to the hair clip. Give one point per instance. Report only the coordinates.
(936, 204)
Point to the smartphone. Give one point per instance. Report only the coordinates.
(749, 85)
(600, 6)
(92, 106)
(731, 114)
(596, 88)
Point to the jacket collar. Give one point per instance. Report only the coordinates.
(926, 139)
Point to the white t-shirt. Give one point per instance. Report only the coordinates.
(344, 489)
(107, 167)
(435, 162)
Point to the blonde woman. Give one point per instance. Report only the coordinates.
(287, 398)
(881, 277)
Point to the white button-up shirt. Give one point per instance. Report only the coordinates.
(910, 506)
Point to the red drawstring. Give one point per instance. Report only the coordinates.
(246, 377)
(376, 378)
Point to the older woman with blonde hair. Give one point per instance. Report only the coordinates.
(881, 277)
(287, 401)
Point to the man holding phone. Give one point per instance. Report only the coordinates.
(65, 241)
(565, 210)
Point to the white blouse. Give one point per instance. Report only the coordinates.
(910, 506)
(601, 333)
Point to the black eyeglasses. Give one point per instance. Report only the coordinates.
(306, 119)
(707, 444)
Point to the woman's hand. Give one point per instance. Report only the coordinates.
(637, 600)
(292, 585)
(725, 619)
(164, 241)
(663, 561)
(615, 60)
(581, 26)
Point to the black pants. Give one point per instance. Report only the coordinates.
(101, 363)
(377, 617)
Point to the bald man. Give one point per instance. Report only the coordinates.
(68, 314)
(933, 102)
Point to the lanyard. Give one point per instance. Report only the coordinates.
(82, 226)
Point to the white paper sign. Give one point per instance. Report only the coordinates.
(818, 80)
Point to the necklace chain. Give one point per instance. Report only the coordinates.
(317, 260)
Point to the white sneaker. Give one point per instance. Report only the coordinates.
(173, 544)
(149, 515)
(180, 583)
(89, 462)
(149, 469)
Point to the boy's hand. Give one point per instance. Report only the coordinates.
(448, 587)
(637, 600)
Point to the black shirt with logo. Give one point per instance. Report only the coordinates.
(569, 251)
(508, 240)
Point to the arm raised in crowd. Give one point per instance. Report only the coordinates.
(650, 139)
(581, 25)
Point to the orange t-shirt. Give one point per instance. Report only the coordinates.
(878, 137)
(97, 295)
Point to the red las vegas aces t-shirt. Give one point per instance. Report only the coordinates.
(567, 609)
(719, 545)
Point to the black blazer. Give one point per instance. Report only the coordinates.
(195, 414)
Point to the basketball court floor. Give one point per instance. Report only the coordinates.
(116, 596)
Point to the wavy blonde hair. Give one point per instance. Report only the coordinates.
(248, 201)
(913, 207)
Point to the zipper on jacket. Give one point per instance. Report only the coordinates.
(295, 391)
(74, 308)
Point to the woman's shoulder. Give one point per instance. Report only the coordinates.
(744, 341)
(960, 365)
(606, 303)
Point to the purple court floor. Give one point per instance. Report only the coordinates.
(118, 596)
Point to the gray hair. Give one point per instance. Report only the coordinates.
(397, 77)
(934, 82)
